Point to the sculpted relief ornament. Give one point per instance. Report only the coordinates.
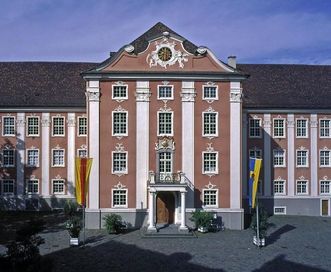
(166, 55)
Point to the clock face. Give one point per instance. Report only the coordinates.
(164, 54)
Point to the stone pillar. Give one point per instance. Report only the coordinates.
(183, 211)
(45, 154)
(314, 154)
(71, 154)
(142, 142)
(151, 226)
(267, 154)
(20, 153)
(188, 97)
(290, 155)
(235, 145)
(245, 156)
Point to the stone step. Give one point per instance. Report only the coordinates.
(167, 231)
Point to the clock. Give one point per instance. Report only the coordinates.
(164, 54)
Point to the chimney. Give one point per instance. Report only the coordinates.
(232, 61)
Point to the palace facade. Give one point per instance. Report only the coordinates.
(170, 129)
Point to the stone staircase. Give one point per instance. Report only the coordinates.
(167, 231)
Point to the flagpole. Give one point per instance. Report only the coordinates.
(83, 224)
(257, 223)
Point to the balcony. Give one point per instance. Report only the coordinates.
(167, 178)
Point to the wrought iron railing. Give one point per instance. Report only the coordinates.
(166, 178)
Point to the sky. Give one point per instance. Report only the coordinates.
(256, 31)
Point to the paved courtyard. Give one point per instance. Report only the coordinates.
(294, 244)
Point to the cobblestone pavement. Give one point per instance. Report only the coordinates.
(294, 244)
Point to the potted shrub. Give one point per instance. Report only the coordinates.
(113, 223)
(73, 225)
(263, 226)
(202, 220)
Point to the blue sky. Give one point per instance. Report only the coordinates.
(86, 30)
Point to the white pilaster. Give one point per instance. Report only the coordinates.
(71, 154)
(45, 131)
(142, 142)
(267, 154)
(20, 156)
(151, 226)
(183, 212)
(93, 96)
(188, 97)
(290, 154)
(235, 145)
(244, 158)
(313, 154)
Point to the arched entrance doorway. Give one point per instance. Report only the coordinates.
(165, 208)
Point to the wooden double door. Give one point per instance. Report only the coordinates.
(165, 208)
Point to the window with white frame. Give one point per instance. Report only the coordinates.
(32, 186)
(58, 186)
(8, 126)
(279, 157)
(325, 158)
(58, 126)
(302, 158)
(165, 92)
(32, 157)
(120, 124)
(8, 186)
(120, 197)
(33, 126)
(58, 157)
(210, 124)
(210, 162)
(120, 91)
(325, 128)
(255, 153)
(302, 187)
(279, 128)
(210, 92)
(210, 197)
(325, 187)
(165, 164)
(254, 128)
(82, 153)
(302, 128)
(120, 163)
(165, 120)
(8, 158)
(279, 187)
(82, 126)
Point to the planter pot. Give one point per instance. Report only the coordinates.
(260, 243)
(74, 241)
(203, 229)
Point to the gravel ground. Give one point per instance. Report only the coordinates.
(294, 244)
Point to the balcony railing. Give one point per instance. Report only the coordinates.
(166, 178)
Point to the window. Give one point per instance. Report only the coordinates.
(210, 163)
(279, 210)
(58, 126)
(82, 153)
(8, 158)
(33, 126)
(210, 124)
(58, 158)
(165, 123)
(302, 158)
(82, 126)
(165, 92)
(120, 198)
(7, 186)
(32, 186)
(120, 163)
(120, 92)
(165, 164)
(279, 128)
(32, 157)
(254, 128)
(302, 187)
(325, 187)
(325, 158)
(210, 92)
(210, 197)
(8, 128)
(255, 153)
(279, 158)
(302, 128)
(58, 186)
(120, 123)
(325, 127)
(279, 187)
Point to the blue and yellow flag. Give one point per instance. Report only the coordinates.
(254, 172)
